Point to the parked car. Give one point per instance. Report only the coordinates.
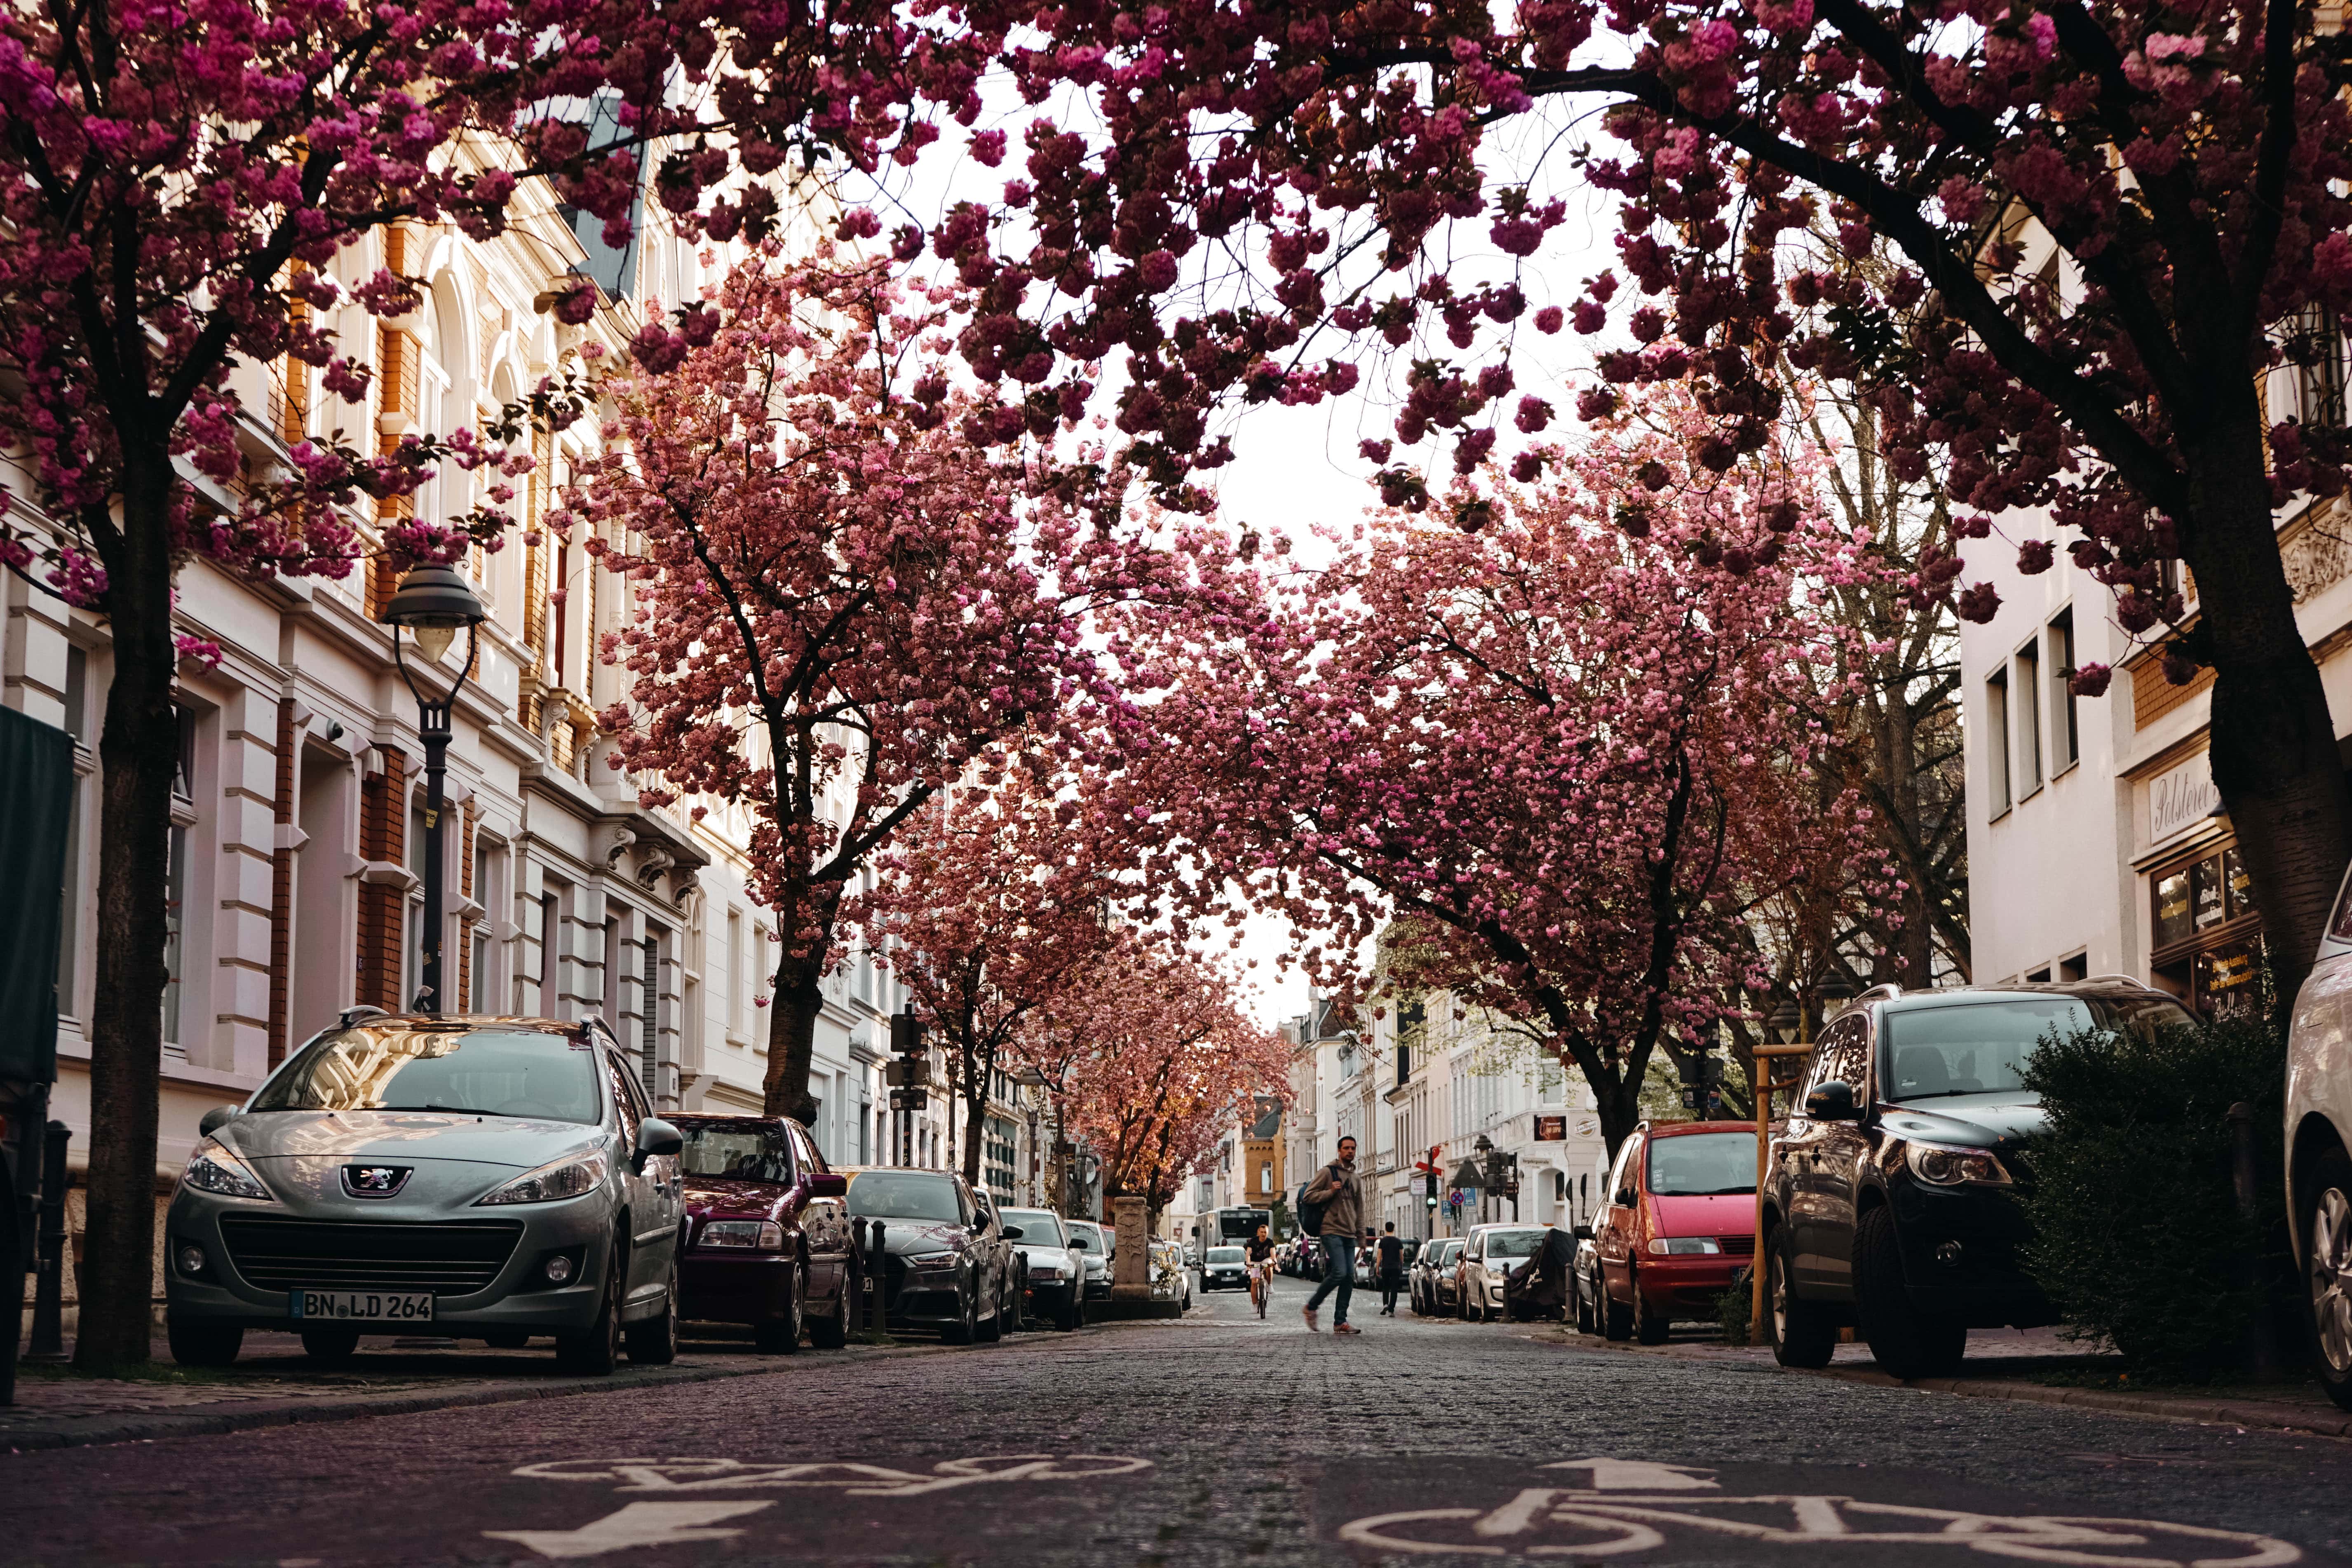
(1584, 1280)
(480, 1177)
(1014, 1286)
(1098, 1257)
(1227, 1269)
(1487, 1252)
(767, 1236)
(1367, 1266)
(1420, 1279)
(1679, 1221)
(2319, 1148)
(943, 1263)
(1054, 1273)
(1442, 1295)
(1890, 1196)
(1170, 1278)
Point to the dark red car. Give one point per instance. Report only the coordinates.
(1679, 1222)
(766, 1232)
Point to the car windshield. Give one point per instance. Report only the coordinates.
(904, 1195)
(1513, 1243)
(475, 1072)
(1037, 1228)
(739, 1151)
(1091, 1234)
(1224, 1255)
(1702, 1164)
(1969, 1048)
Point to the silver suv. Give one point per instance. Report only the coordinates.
(2319, 1147)
(479, 1177)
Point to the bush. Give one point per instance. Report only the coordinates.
(1731, 1310)
(2137, 1234)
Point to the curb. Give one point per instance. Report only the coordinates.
(2323, 1421)
(90, 1431)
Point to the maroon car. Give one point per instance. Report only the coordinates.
(767, 1233)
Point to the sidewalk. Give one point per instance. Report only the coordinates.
(272, 1384)
(2031, 1366)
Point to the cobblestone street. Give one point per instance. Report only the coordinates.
(1215, 1440)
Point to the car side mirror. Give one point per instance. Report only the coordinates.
(828, 1185)
(1012, 1233)
(1833, 1101)
(1077, 1243)
(657, 1137)
(1582, 1233)
(218, 1117)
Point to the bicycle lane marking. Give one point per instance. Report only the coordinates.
(1616, 1517)
(639, 1526)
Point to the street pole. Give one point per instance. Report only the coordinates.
(1762, 1086)
(434, 603)
(433, 728)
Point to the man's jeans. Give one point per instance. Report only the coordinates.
(1339, 1274)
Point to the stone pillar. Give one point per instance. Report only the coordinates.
(1131, 1271)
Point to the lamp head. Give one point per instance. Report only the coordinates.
(435, 603)
(1784, 1021)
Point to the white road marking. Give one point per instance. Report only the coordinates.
(1639, 1476)
(638, 1524)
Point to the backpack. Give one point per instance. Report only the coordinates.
(1310, 1214)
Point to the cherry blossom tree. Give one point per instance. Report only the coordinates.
(1152, 1059)
(2056, 246)
(987, 905)
(1571, 749)
(842, 606)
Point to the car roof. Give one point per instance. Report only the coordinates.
(2098, 987)
(895, 1171)
(1684, 1129)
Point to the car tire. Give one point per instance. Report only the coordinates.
(782, 1336)
(1616, 1322)
(1015, 1311)
(1909, 1343)
(1650, 1328)
(653, 1342)
(331, 1344)
(198, 1344)
(832, 1334)
(595, 1350)
(967, 1330)
(1800, 1332)
(1070, 1315)
(2326, 1229)
(988, 1330)
(1584, 1320)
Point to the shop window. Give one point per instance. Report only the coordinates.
(2206, 933)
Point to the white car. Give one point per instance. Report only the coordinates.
(2318, 1137)
(1056, 1273)
(1489, 1252)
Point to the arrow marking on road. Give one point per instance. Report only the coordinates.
(638, 1524)
(1641, 1476)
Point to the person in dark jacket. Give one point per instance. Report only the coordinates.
(1334, 1187)
(1391, 1270)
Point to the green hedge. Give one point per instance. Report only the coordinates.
(2137, 1238)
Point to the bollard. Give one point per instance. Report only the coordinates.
(2262, 1338)
(49, 1344)
(879, 1271)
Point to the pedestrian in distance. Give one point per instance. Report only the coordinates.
(1391, 1270)
(1260, 1269)
(1339, 1212)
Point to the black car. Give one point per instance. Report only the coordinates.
(945, 1265)
(1890, 1202)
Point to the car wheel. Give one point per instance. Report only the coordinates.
(330, 1344)
(1015, 1310)
(653, 1342)
(1650, 1328)
(832, 1334)
(1907, 1342)
(2327, 1272)
(782, 1336)
(988, 1330)
(199, 1344)
(964, 1331)
(595, 1351)
(1800, 1332)
(1616, 1320)
(1584, 1308)
(1069, 1313)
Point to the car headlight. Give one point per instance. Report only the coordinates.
(1943, 1165)
(932, 1262)
(762, 1234)
(213, 1169)
(566, 1178)
(1044, 1271)
(1681, 1245)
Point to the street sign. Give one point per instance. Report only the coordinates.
(914, 1072)
(908, 1099)
(905, 1034)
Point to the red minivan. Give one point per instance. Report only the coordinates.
(1679, 1222)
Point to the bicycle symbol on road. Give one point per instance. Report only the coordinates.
(1635, 1506)
(696, 1515)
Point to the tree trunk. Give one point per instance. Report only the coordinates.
(791, 1038)
(975, 1116)
(2273, 752)
(1618, 1105)
(138, 749)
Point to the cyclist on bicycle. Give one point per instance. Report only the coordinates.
(1260, 1269)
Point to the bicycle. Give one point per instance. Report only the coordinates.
(1261, 1278)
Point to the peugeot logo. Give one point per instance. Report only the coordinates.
(375, 1180)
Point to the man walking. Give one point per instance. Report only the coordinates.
(1391, 1264)
(1334, 1187)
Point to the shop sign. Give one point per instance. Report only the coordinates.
(1552, 1129)
(2181, 798)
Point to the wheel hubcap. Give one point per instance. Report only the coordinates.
(2331, 1278)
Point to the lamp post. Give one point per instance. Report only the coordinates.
(435, 603)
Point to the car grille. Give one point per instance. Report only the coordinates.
(1740, 1246)
(455, 1258)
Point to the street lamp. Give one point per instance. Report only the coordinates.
(435, 603)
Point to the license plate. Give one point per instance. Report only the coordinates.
(364, 1306)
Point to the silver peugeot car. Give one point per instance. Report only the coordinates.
(476, 1178)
